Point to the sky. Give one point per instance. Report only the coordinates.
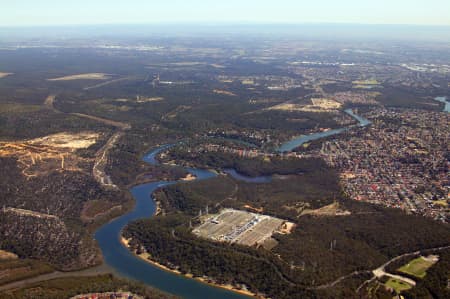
(90, 12)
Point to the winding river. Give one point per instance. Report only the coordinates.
(444, 100)
(296, 142)
(126, 264)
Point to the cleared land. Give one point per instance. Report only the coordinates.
(5, 255)
(317, 105)
(224, 92)
(366, 82)
(419, 266)
(397, 285)
(18, 269)
(88, 76)
(240, 227)
(3, 75)
(53, 152)
(140, 99)
(68, 140)
(330, 210)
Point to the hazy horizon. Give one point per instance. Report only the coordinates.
(83, 12)
(303, 31)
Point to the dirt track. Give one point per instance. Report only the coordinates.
(103, 269)
(101, 159)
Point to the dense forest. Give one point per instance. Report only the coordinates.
(224, 264)
(247, 166)
(359, 244)
(435, 283)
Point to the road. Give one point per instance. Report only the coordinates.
(101, 159)
(378, 272)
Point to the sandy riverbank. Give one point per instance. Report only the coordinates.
(146, 258)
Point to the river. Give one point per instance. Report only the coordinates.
(445, 101)
(298, 141)
(126, 264)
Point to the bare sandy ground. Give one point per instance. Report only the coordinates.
(225, 92)
(3, 75)
(149, 100)
(317, 105)
(68, 140)
(333, 209)
(87, 76)
(40, 156)
(6, 255)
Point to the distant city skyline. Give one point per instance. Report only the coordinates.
(85, 12)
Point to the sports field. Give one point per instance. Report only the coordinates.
(419, 266)
(397, 285)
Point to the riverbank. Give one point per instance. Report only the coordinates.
(446, 103)
(147, 258)
(292, 144)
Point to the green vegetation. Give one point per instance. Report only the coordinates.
(251, 167)
(285, 197)
(225, 264)
(366, 82)
(69, 287)
(363, 240)
(402, 97)
(397, 285)
(19, 121)
(435, 283)
(18, 269)
(417, 267)
(359, 244)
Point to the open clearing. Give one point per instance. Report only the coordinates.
(5, 255)
(240, 227)
(18, 269)
(3, 75)
(140, 99)
(419, 266)
(88, 76)
(67, 140)
(40, 156)
(366, 82)
(317, 105)
(224, 92)
(330, 210)
(397, 285)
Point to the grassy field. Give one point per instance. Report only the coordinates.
(18, 269)
(441, 203)
(366, 82)
(6, 108)
(417, 267)
(397, 285)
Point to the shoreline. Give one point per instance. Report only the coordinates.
(146, 257)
